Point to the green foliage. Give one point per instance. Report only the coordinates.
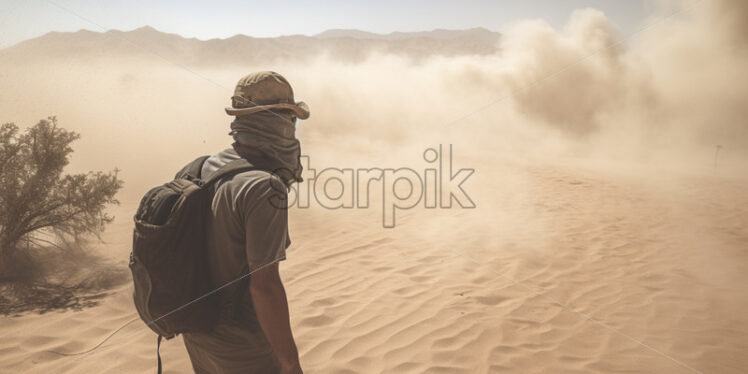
(39, 204)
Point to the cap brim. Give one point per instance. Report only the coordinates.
(300, 109)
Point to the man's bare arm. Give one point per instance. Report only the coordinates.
(271, 307)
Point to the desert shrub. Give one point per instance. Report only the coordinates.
(39, 205)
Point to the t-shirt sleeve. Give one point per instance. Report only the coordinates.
(266, 222)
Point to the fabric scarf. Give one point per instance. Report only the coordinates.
(274, 134)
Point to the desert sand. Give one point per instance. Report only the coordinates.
(605, 236)
(660, 263)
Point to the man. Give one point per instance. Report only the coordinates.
(248, 231)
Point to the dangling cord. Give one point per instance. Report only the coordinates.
(97, 345)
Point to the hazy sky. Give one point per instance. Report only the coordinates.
(25, 19)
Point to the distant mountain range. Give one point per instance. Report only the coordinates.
(440, 34)
(349, 45)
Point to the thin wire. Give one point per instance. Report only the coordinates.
(97, 345)
(482, 108)
(575, 63)
(521, 284)
(185, 68)
(84, 354)
(212, 292)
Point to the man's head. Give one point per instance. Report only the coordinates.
(265, 91)
(266, 113)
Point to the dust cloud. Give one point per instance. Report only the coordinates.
(595, 183)
(666, 96)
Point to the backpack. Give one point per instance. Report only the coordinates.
(172, 292)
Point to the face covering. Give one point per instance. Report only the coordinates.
(274, 134)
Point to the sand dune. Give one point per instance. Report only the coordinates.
(650, 262)
(606, 237)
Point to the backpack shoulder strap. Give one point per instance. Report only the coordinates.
(193, 169)
(158, 352)
(234, 167)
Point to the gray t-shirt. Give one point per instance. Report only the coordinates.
(248, 225)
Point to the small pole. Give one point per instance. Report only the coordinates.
(716, 154)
